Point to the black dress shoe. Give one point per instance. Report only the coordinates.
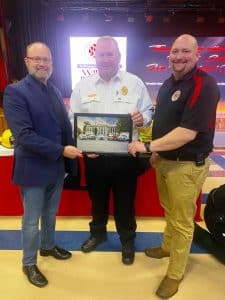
(56, 252)
(128, 255)
(35, 276)
(91, 243)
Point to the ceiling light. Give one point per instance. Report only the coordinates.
(130, 19)
(108, 18)
(60, 17)
(149, 18)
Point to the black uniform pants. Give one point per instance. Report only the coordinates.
(119, 175)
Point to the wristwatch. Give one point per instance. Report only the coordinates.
(147, 147)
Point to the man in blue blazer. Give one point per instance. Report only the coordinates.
(37, 117)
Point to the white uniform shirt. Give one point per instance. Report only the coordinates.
(124, 93)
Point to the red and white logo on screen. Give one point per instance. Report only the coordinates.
(92, 49)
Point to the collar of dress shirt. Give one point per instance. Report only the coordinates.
(118, 76)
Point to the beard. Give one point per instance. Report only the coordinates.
(41, 75)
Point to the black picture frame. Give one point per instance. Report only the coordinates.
(106, 134)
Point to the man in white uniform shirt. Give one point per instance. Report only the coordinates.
(112, 91)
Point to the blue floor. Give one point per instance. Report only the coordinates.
(218, 159)
(72, 240)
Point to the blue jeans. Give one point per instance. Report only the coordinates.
(39, 202)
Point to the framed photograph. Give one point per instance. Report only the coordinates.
(103, 133)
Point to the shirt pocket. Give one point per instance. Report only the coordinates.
(126, 99)
(89, 103)
(124, 105)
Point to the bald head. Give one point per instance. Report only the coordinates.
(36, 45)
(187, 39)
(183, 55)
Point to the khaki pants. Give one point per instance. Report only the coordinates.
(179, 184)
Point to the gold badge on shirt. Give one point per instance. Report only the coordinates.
(176, 95)
(124, 90)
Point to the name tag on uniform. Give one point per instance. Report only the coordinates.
(90, 98)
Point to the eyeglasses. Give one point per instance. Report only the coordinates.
(38, 60)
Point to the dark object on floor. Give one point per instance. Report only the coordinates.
(214, 213)
(213, 240)
(206, 240)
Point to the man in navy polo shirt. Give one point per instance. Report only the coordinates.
(183, 132)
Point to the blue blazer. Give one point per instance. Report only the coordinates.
(38, 151)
